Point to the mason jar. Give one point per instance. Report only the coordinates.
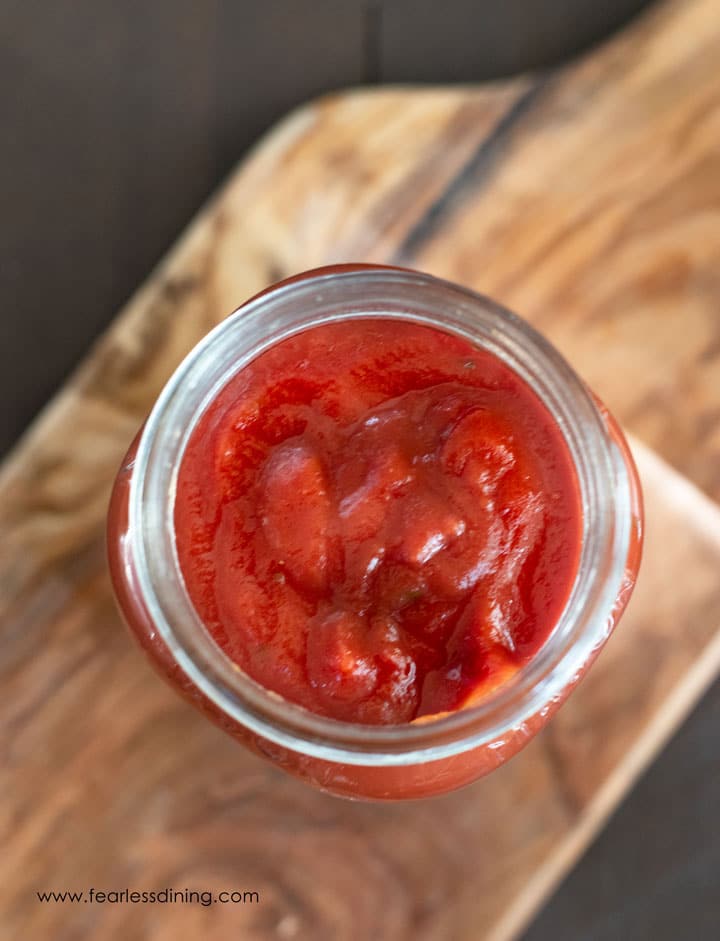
(422, 757)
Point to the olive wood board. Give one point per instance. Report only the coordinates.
(589, 201)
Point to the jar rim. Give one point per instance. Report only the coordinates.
(350, 292)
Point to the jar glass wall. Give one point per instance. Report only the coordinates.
(395, 761)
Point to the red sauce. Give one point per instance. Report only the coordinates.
(377, 520)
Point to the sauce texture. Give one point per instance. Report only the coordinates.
(378, 520)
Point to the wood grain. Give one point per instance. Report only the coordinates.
(589, 202)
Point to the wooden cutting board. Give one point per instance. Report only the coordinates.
(589, 201)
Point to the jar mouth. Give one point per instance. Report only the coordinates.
(351, 293)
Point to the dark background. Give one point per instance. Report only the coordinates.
(119, 118)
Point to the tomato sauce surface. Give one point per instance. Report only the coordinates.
(378, 520)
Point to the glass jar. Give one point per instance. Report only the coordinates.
(382, 762)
